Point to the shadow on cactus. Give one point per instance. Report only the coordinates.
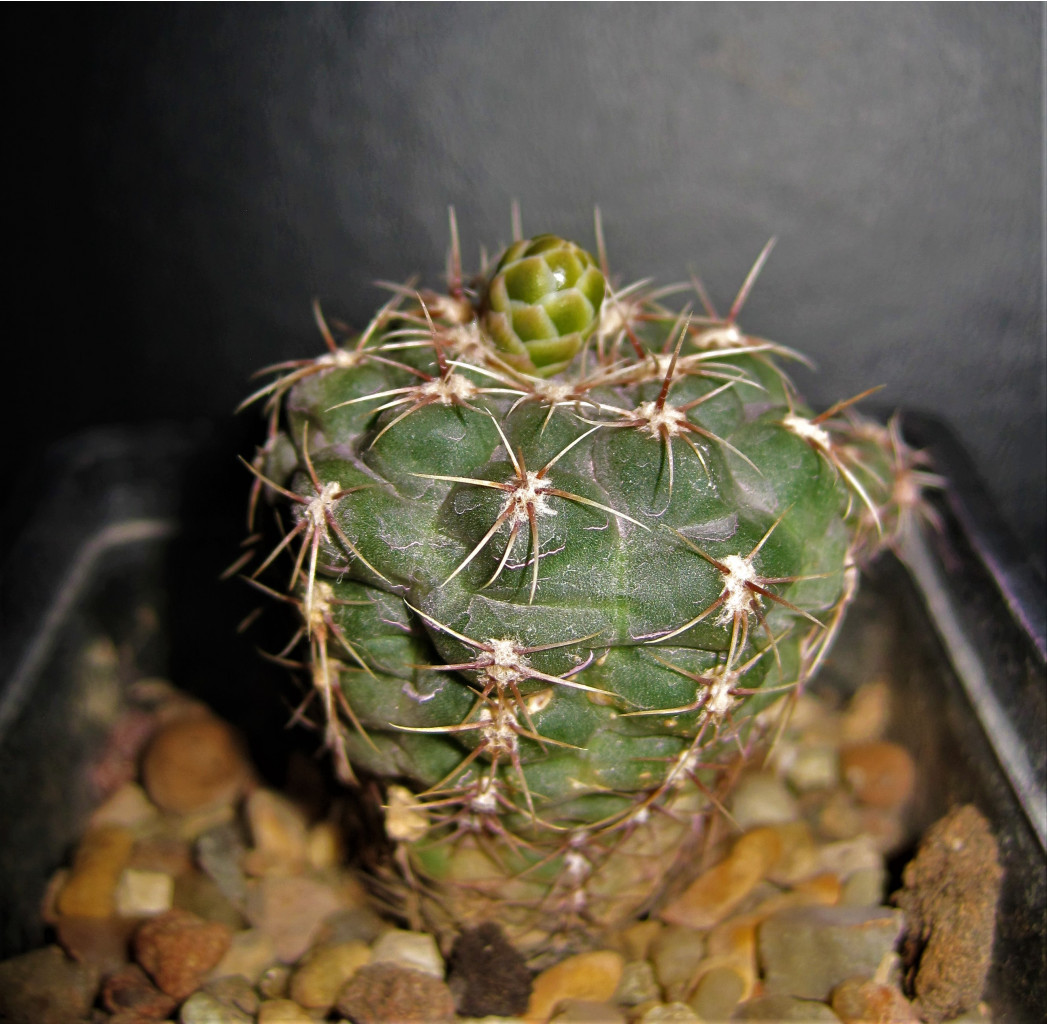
(561, 555)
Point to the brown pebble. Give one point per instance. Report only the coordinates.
(102, 941)
(861, 1001)
(386, 993)
(130, 989)
(949, 897)
(194, 763)
(178, 948)
(880, 774)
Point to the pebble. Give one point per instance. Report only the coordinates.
(279, 832)
(128, 807)
(587, 1011)
(798, 858)
(845, 857)
(101, 941)
(250, 952)
(867, 714)
(761, 798)
(90, 890)
(194, 763)
(487, 975)
(200, 895)
(291, 910)
(865, 887)
(879, 773)
(316, 982)
(675, 955)
(275, 981)
(46, 987)
(717, 993)
(416, 950)
(808, 951)
(178, 949)
(233, 990)
(323, 846)
(219, 852)
(143, 893)
(590, 976)
(283, 1011)
(950, 893)
(361, 923)
(669, 1013)
(636, 940)
(780, 1008)
(130, 989)
(203, 1008)
(168, 854)
(814, 768)
(386, 993)
(861, 1001)
(718, 891)
(637, 984)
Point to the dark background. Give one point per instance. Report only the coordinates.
(183, 180)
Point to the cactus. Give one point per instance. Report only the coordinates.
(560, 553)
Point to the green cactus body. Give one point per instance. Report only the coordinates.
(556, 564)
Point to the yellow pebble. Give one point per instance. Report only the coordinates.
(589, 976)
(316, 983)
(91, 888)
(283, 1011)
(714, 894)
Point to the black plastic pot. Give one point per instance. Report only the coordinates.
(136, 526)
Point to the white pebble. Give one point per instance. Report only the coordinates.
(143, 893)
(416, 950)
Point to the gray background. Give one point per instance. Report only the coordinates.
(187, 179)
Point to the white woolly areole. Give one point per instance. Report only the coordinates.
(507, 665)
(499, 731)
(577, 865)
(808, 430)
(655, 419)
(449, 390)
(485, 801)
(320, 606)
(685, 766)
(614, 316)
(318, 506)
(726, 336)
(341, 358)
(738, 597)
(466, 340)
(719, 700)
(528, 495)
(553, 391)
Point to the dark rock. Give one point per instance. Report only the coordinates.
(486, 975)
(949, 897)
(46, 987)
